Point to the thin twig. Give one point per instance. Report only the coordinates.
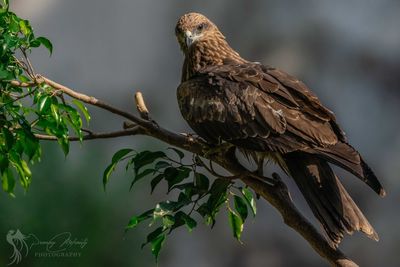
(22, 84)
(133, 131)
(17, 98)
(31, 71)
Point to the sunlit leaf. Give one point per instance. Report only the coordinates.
(236, 224)
(55, 113)
(250, 200)
(83, 109)
(8, 181)
(64, 143)
(156, 245)
(135, 220)
(44, 103)
(168, 221)
(164, 208)
(24, 26)
(106, 174)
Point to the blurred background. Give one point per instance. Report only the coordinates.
(348, 52)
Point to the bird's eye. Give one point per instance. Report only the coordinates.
(201, 27)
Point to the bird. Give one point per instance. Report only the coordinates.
(269, 114)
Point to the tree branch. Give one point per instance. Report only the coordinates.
(277, 194)
(132, 131)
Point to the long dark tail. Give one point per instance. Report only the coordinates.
(326, 196)
(348, 158)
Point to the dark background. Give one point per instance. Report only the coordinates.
(346, 51)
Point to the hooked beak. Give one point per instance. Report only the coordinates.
(190, 38)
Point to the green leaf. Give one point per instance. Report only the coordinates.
(218, 196)
(26, 169)
(4, 162)
(107, 172)
(24, 26)
(189, 221)
(64, 143)
(46, 42)
(236, 224)
(203, 210)
(202, 182)
(180, 154)
(217, 193)
(135, 220)
(164, 208)
(14, 24)
(23, 170)
(5, 74)
(83, 109)
(156, 181)
(8, 138)
(120, 154)
(140, 176)
(241, 207)
(8, 181)
(187, 187)
(168, 221)
(156, 245)
(30, 144)
(161, 165)
(175, 175)
(153, 235)
(71, 116)
(44, 103)
(146, 157)
(6, 4)
(250, 200)
(55, 113)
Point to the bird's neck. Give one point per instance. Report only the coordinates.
(208, 52)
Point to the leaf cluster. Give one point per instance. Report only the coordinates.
(28, 107)
(197, 197)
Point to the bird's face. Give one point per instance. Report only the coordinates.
(192, 28)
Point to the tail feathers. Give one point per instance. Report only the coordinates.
(327, 198)
(346, 157)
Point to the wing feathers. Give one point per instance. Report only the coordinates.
(264, 109)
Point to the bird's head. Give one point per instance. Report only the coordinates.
(195, 27)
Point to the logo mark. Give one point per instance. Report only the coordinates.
(60, 245)
(19, 243)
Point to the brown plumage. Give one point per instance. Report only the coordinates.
(262, 109)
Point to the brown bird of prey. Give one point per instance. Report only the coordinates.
(265, 111)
